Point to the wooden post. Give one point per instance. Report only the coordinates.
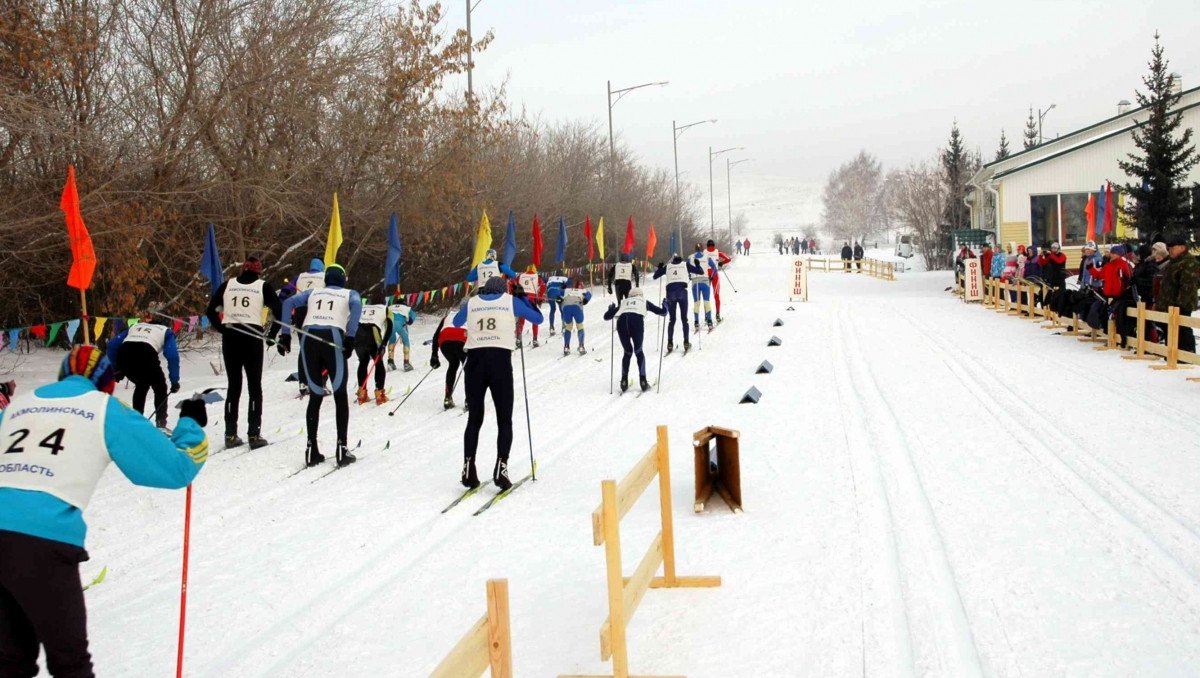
(499, 633)
(1141, 335)
(87, 332)
(664, 497)
(1172, 342)
(616, 583)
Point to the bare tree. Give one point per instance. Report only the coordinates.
(854, 206)
(916, 196)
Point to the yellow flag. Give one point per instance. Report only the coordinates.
(483, 241)
(1120, 216)
(334, 241)
(600, 238)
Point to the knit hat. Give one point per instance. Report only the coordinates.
(90, 362)
(252, 264)
(491, 254)
(316, 266)
(1090, 245)
(335, 276)
(711, 243)
(1054, 245)
(494, 285)
(1159, 249)
(635, 292)
(1117, 250)
(531, 269)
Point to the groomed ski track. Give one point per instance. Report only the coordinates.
(931, 489)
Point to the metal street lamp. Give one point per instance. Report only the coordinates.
(712, 215)
(1042, 114)
(620, 93)
(729, 190)
(676, 132)
(470, 53)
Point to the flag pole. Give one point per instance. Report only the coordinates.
(87, 332)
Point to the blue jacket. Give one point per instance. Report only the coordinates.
(140, 451)
(521, 308)
(302, 300)
(693, 267)
(998, 261)
(1085, 278)
(170, 352)
(400, 322)
(555, 290)
(473, 276)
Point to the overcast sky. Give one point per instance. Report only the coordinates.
(804, 85)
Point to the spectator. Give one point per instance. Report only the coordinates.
(1090, 259)
(999, 258)
(738, 246)
(1144, 273)
(746, 246)
(1054, 267)
(858, 254)
(847, 254)
(985, 260)
(1179, 286)
(1114, 276)
(812, 246)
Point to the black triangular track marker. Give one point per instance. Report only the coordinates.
(777, 323)
(752, 396)
(775, 341)
(765, 368)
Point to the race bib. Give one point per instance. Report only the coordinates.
(487, 271)
(633, 305)
(375, 316)
(624, 271)
(310, 281)
(147, 333)
(558, 280)
(677, 273)
(243, 304)
(491, 324)
(574, 297)
(328, 307)
(529, 283)
(55, 445)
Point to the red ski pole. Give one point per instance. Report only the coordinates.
(187, 528)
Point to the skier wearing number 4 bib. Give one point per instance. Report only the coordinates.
(677, 273)
(59, 439)
(631, 328)
(328, 340)
(490, 321)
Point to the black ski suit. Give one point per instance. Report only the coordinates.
(242, 351)
(370, 349)
(451, 346)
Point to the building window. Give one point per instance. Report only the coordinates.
(1043, 211)
(1074, 213)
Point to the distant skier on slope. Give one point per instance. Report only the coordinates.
(701, 287)
(713, 259)
(375, 324)
(572, 302)
(631, 329)
(402, 316)
(451, 341)
(623, 276)
(535, 293)
(71, 430)
(677, 273)
(555, 286)
(490, 321)
(136, 353)
(325, 347)
(236, 311)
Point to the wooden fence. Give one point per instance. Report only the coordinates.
(884, 270)
(487, 645)
(625, 594)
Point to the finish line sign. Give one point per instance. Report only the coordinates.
(799, 291)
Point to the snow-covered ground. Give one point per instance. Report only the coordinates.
(931, 489)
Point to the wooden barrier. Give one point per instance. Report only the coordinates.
(487, 645)
(722, 474)
(625, 594)
(884, 270)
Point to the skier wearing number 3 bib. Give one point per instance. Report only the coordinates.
(57, 442)
(490, 321)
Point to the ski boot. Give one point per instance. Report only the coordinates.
(645, 384)
(709, 325)
(519, 342)
(362, 396)
(696, 328)
(624, 384)
(448, 403)
(469, 478)
(313, 456)
(391, 364)
(566, 350)
(232, 441)
(257, 441)
(718, 318)
(380, 396)
(535, 343)
(582, 350)
(670, 347)
(303, 391)
(500, 475)
(344, 458)
(408, 366)
(686, 347)
(552, 331)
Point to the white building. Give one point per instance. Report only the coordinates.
(1042, 192)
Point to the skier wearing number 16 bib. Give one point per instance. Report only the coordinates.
(57, 441)
(490, 321)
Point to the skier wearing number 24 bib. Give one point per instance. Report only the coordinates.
(490, 321)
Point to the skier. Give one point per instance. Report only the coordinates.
(370, 344)
(701, 288)
(451, 341)
(402, 317)
(71, 429)
(241, 301)
(713, 259)
(625, 275)
(535, 293)
(677, 295)
(555, 286)
(314, 279)
(489, 268)
(328, 339)
(136, 353)
(572, 302)
(490, 321)
(631, 328)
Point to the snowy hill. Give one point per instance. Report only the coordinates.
(930, 488)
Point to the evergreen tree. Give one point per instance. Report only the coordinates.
(1160, 200)
(1003, 152)
(957, 167)
(1031, 130)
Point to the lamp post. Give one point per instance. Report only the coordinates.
(620, 93)
(676, 132)
(1042, 114)
(470, 53)
(729, 190)
(712, 215)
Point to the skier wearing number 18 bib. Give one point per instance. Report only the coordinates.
(490, 321)
(631, 328)
(59, 439)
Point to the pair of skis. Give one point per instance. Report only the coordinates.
(494, 500)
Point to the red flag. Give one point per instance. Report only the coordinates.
(83, 255)
(651, 242)
(537, 243)
(587, 235)
(1108, 212)
(1090, 211)
(628, 237)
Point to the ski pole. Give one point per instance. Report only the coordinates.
(371, 369)
(235, 328)
(187, 530)
(409, 395)
(310, 335)
(662, 330)
(528, 426)
(612, 328)
(660, 322)
(730, 283)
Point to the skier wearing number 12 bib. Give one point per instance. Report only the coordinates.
(58, 441)
(489, 268)
(535, 293)
(490, 321)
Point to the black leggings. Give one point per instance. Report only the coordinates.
(369, 354)
(455, 356)
(622, 288)
(243, 354)
(630, 328)
(489, 368)
(139, 362)
(677, 301)
(325, 364)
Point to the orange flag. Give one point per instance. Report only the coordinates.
(651, 242)
(83, 255)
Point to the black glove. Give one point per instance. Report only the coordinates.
(347, 347)
(118, 376)
(612, 308)
(175, 388)
(194, 408)
(519, 291)
(610, 289)
(435, 363)
(284, 344)
(271, 341)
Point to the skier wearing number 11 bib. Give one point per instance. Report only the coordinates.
(490, 321)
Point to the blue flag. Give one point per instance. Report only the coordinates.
(510, 241)
(560, 254)
(210, 261)
(1102, 208)
(674, 243)
(391, 270)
